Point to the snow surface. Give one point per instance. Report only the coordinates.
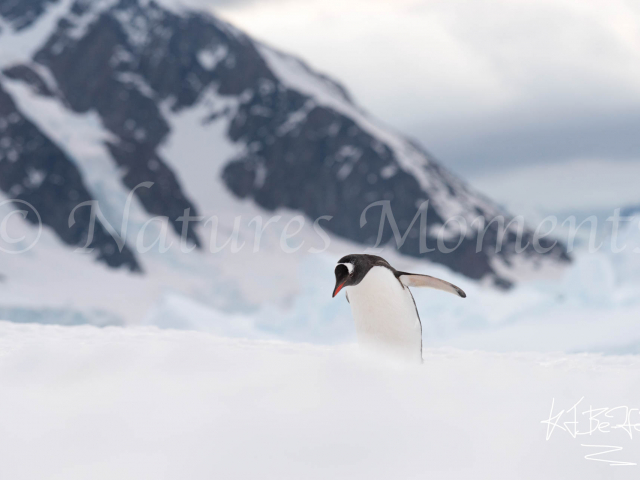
(209, 59)
(19, 47)
(83, 402)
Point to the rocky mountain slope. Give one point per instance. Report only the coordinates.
(90, 97)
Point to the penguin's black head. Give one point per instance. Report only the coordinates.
(353, 268)
(344, 275)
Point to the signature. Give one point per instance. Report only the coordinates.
(595, 420)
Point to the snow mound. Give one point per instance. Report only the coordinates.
(146, 403)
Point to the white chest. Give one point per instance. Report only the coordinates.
(385, 315)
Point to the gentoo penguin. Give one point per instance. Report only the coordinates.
(383, 308)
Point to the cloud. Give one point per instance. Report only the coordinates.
(481, 84)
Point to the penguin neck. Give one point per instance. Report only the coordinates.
(385, 315)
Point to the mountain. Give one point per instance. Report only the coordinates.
(102, 98)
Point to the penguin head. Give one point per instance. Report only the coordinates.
(352, 269)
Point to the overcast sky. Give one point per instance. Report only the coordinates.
(482, 84)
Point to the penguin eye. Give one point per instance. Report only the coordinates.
(349, 267)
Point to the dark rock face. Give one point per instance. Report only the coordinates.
(344, 162)
(29, 76)
(34, 170)
(133, 60)
(327, 165)
(89, 79)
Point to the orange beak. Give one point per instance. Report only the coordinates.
(338, 288)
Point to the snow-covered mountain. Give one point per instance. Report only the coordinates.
(100, 98)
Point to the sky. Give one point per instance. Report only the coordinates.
(484, 85)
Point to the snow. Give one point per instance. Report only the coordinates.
(145, 403)
(296, 118)
(81, 23)
(19, 47)
(135, 24)
(139, 82)
(198, 148)
(297, 73)
(349, 155)
(209, 59)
